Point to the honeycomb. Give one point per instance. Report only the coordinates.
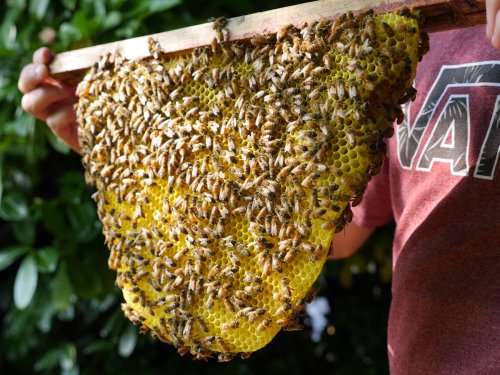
(223, 173)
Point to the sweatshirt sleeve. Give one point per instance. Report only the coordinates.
(376, 208)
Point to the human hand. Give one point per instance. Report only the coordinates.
(493, 22)
(48, 99)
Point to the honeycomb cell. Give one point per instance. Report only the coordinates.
(221, 181)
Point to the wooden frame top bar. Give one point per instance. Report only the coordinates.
(439, 15)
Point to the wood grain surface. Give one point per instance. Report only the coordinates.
(439, 15)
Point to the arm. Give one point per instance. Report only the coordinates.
(49, 100)
(348, 241)
(493, 22)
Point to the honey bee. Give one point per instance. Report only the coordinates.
(351, 138)
(199, 352)
(285, 287)
(283, 32)
(357, 200)
(318, 252)
(222, 345)
(186, 332)
(230, 325)
(244, 312)
(255, 314)
(253, 289)
(210, 302)
(266, 323)
(259, 40)
(225, 357)
(309, 180)
(209, 340)
(283, 321)
(328, 226)
(234, 259)
(283, 309)
(267, 267)
(388, 30)
(245, 355)
(290, 254)
(241, 294)
(293, 326)
(218, 26)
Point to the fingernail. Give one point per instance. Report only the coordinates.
(40, 71)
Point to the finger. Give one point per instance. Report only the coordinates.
(38, 100)
(492, 8)
(495, 40)
(42, 56)
(63, 124)
(69, 134)
(59, 120)
(31, 76)
(489, 19)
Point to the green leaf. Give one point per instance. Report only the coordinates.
(144, 9)
(52, 218)
(157, 6)
(49, 360)
(64, 355)
(115, 4)
(1, 178)
(14, 207)
(62, 290)
(46, 259)
(67, 360)
(69, 4)
(9, 255)
(57, 144)
(85, 275)
(5, 140)
(129, 29)
(113, 19)
(68, 33)
(112, 325)
(25, 231)
(99, 9)
(44, 322)
(10, 127)
(24, 124)
(38, 8)
(21, 178)
(240, 7)
(103, 346)
(128, 340)
(82, 218)
(21, 4)
(8, 31)
(25, 284)
(70, 371)
(84, 24)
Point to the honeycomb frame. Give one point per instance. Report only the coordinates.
(222, 174)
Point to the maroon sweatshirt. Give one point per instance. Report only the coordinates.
(441, 184)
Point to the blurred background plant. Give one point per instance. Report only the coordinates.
(59, 308)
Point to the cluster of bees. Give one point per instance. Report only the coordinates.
(223, 173)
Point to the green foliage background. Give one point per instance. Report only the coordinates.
(59, 308)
